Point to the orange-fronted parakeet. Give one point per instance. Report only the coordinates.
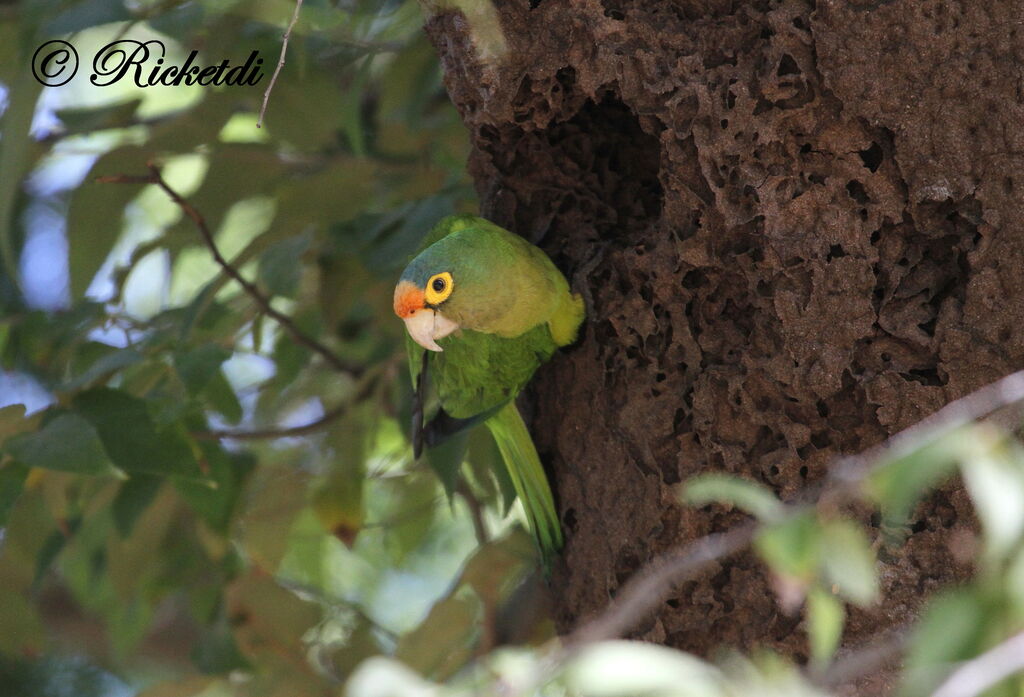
(490, 307)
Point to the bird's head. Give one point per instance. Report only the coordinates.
(421, 297)
(465, 280)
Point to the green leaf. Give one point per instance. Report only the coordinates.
(217, 652)
(290, 357)
(16, 157)
(491, 566)
(132, 439)
(88, 13)
(338, 501)
(53, 676)
(825, 619)
(360, 644)
(411, 81)
(281, 265)
(994, 477)
(193, 685)
(627, 668)
(412, 508)
(97, 209)
(67, 443)
(485, 461)
(898, 484)
(951, 630)
(446, 460)
(849, 562)
(227, 471)
(269, 621)
(127, 622)
(112, 361)
(23, 633)
(274, 498)
(388, 241)
(12, 480)
(13, 32)
(132, 499)
(752, 497)
(82, 120)
(198, 365)
(793, 547)
(304, 130)
(13, 421)
(222, 398)
(445, 640)
(52, 547)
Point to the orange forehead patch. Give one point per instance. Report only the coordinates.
(408, 299)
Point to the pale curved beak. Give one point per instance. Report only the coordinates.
(425, 326)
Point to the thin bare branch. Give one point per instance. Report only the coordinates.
(476, 512)
(977, 405)
(866, 659)
(990, 668)
(261, 300)
(653, 584)
(280, 62)
(126, 179)
(274, 433)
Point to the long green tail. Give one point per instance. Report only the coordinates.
(528, 478)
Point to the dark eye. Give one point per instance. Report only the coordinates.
(438, 285)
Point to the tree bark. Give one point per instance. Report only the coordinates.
(796, 225)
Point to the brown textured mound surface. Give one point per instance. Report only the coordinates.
(797, 228)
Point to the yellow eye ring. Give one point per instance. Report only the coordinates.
(439, 287)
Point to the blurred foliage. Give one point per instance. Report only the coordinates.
(135, 537)
(193, 502)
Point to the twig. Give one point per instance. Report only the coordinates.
(274, 433)
(864, 659)
(977, 675)
(971, 407)
(280, 62)
(650, 586)
(475, 511)
(255, 293)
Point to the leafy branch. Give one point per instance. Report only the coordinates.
(646, 590)
(650, 586)
(261, 300)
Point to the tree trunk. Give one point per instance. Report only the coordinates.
(796, 225)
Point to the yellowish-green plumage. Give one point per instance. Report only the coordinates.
(513, 309)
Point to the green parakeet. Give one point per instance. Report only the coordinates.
(490, 307)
